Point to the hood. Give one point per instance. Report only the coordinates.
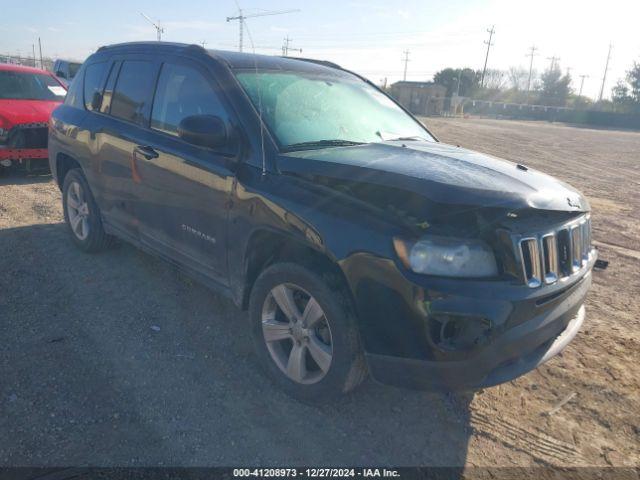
(14, 112)
(443, 174)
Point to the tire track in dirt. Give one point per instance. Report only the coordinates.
(627, 252)
(542, 447)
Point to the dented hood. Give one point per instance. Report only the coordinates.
(442, 173)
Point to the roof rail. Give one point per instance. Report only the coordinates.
(326, 63)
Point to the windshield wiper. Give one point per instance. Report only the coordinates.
(407, 139)
(413, 138)
(321, 144)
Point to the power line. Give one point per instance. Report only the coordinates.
(406, 62)
(604, 76)
(341, 35)
(582, 77)
(486, 58)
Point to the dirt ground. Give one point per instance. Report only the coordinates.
(117, 359)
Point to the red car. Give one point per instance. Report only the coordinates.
(27, 98)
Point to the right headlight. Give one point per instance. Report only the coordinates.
(447, 257)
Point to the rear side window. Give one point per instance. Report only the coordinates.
(75, 94)
(93, 85)
(131, 95)
(182, 91)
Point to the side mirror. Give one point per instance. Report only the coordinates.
(96, 101)
(204, 130)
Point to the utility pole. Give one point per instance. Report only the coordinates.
(582, 77)
(604, 76)
(33, 47)
(554, 62)
(241, 19)
(531, 54)
(406, 61)
(40, 47)
(203, 43)
(286, 48)
(486, 58)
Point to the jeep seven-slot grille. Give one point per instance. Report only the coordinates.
(557, 254)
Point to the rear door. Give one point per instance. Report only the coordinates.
(119, 128)
(184, 189)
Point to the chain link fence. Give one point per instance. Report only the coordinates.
(46, 64)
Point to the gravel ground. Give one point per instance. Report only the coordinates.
(118, 360)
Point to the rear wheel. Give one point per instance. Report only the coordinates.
(82, 215)
(305, 332)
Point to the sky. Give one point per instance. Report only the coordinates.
(366, 36)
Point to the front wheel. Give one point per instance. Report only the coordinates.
(82, 215)
(305, 332)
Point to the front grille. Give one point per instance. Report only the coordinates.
(554, 255)
(29, 135)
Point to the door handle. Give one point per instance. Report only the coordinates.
(146, 151)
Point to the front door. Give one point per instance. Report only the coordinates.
(184, 189)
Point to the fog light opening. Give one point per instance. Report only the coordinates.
(458, 332)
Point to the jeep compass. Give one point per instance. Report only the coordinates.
(357, 241)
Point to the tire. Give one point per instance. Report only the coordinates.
(88, 235)
(322, 380)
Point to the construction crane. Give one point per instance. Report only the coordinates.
(241, 19)
(156, 25)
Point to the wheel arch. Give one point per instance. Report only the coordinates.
(266, 247)
(64, 163)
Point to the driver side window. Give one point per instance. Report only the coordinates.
(182, 91)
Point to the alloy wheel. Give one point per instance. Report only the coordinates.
(297, 334)
(78, 211)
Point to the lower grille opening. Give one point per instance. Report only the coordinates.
(28, 136)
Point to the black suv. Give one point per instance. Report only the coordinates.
(358, 242)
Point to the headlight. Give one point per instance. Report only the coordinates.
(447, 257)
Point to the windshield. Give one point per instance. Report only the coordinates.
(73, 69)
(303, 110)
(29, 86)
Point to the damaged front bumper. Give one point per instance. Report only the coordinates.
(535, 330)
(23, 143)
(19, 154)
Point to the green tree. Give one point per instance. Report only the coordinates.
(625, 95)
(633, 78)
(555, 87)
(469, 80)
(620, 93)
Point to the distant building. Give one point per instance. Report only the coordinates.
(420, 98)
